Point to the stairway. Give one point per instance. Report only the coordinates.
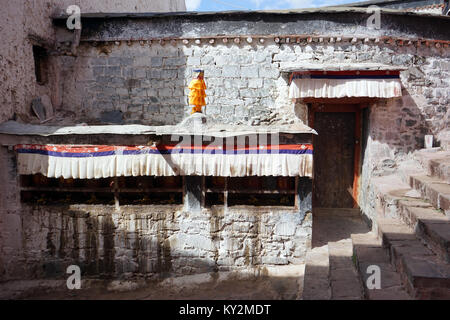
(412, 230)
(409, 241)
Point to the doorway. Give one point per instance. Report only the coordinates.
(336, 154)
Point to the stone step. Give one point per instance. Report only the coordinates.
(316, 284)
(367, 253)
(429, 224)
(398, 201)
(440, 168)
(344, 281)
(434, 190)
(435, 162)
(423, 274)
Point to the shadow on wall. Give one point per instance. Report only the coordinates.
(138, 244)
(392, 129)
(126, 83)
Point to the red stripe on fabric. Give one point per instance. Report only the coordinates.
(349, 73)
(103, 148)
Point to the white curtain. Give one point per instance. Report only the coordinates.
(92, 165)
(339, 88)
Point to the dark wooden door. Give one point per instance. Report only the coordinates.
(334, 149)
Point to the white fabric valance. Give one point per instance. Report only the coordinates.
(92, 162)
(340, 84)
(338, 88)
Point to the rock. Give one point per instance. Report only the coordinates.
(38, 109)
(114, 116)
(48, 106)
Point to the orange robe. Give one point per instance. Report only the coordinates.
(197, 94)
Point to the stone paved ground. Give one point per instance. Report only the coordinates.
(230, 290)
(330, 271)
(281, 283)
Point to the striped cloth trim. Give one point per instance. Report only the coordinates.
(345, 75)
(102, 150)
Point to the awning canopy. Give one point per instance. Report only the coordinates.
(340, 84)
(102, 161)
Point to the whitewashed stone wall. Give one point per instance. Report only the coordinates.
(143, 83)
(21, 18)
(153, 241)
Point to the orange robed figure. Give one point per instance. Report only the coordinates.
(197, 93)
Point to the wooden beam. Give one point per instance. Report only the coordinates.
(225, 194)
(357, 157)
(249, 191)
(319, 107)
(116, 193)
(102, 190)
(346, 100)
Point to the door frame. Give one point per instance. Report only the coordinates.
(343, 105)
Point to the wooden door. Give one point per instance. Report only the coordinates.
(334, 150)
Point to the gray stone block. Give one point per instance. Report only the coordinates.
(113, 71)
(169, 74)
(255, 83)
(195, 61)
(231, 71)
(269, 73)
(114, 116)
(249, 72)
(140, 73)
(208, 59)
(165, 92)
(98, 61)
(156, 61)
(173, 62)
(98, 71)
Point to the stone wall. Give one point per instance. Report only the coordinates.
(142, 83)
(394, 129)
(18, 19)
(148, 83)
(138, 82)
(151, 241)
(21, 18)
(109, 6)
